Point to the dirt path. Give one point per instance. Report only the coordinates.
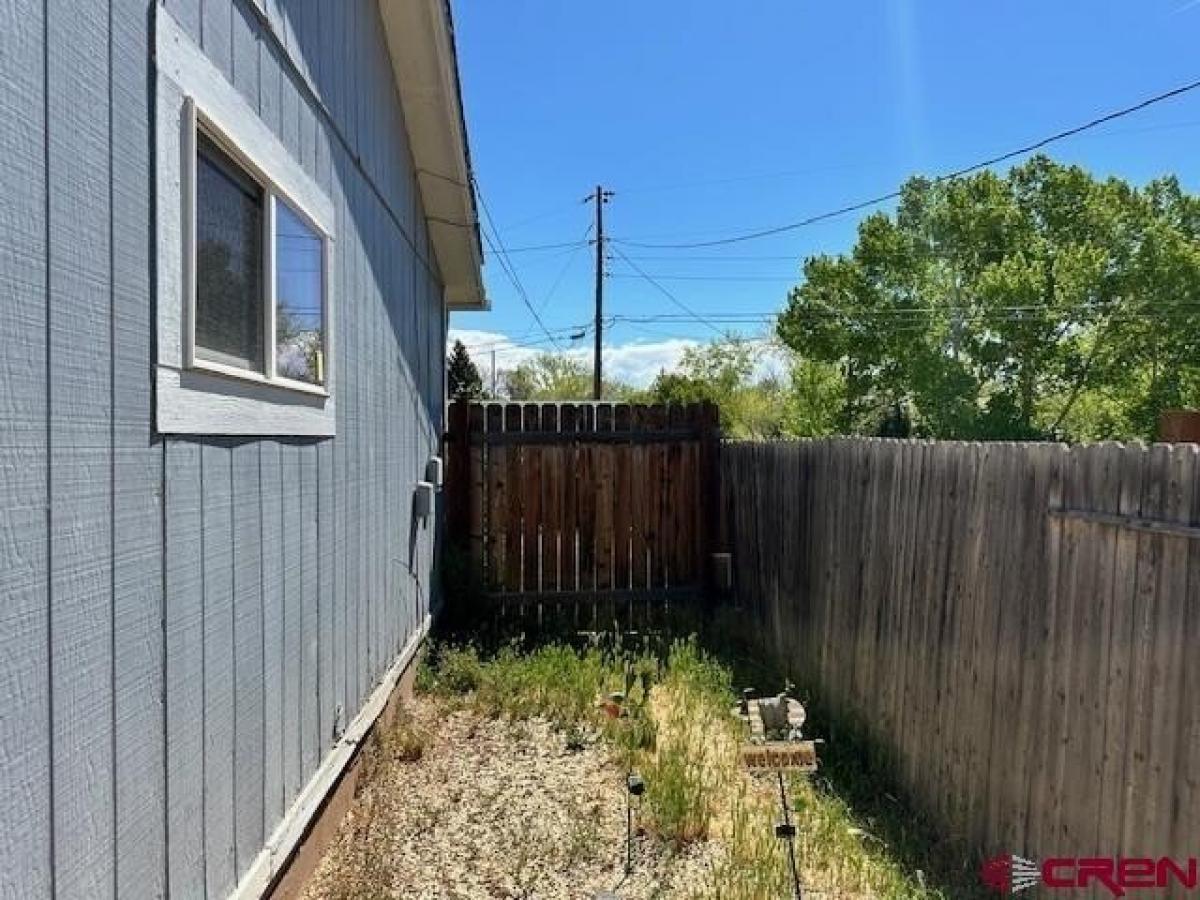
(496, 810)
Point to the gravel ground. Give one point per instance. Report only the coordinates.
(496, 810)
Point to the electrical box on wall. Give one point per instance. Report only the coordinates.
(433, 472)
(423, 500)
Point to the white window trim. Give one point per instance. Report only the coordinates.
(198, 396)
(195, 123)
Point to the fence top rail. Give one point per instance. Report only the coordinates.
(640, 436)
(585, 403)
(1134, 445)
(549, 421)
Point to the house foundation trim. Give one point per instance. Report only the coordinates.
(273, 859)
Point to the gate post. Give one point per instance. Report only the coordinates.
(709, 425)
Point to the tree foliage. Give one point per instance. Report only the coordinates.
(755, 401)
(1044, 303)
(789, 397)
(554, 376)
(462, 375)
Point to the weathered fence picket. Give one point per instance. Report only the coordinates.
(1019, 623)
(607, 506)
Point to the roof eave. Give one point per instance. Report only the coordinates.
(420, 40)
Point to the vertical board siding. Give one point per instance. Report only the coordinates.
(188, 14)
(272, 506)
(190, 624)
(216, 34)
(1030, 671)
(292, 599)
(80, 418)
(352, 309)
(217, 535)
(249, 675)
(269, 77)
(25, 743)
(307, 620)
(245, 53)
(138, 597)
(326, 601)
(185, 670)
(341, 595)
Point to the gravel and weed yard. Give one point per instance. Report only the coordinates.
(506, 778)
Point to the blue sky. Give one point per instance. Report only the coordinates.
(713, 117)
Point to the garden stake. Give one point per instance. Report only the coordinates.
(629, 827)
(628, 833)
(787, 831)
(634, 786)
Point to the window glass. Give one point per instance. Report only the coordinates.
(299, 320)
(229, 263)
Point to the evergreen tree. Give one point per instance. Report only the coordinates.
(462, 375)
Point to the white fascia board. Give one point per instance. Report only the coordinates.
(420, 39)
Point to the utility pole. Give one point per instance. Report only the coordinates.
(599, 198)
(493, 373)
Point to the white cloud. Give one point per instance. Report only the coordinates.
(635, 362)
(638, 362)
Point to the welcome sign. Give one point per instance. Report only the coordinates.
(780, 756)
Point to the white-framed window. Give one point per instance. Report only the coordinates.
(257, 297)
(245, 314)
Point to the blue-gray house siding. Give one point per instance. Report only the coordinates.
(187, 624)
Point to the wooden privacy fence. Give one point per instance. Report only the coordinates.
(1019, 623)
(570, 500)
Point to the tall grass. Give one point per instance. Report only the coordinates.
(752, 866)
(675, 727)
(555, 682)
(689, 769)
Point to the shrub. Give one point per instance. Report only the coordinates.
(457, 670)
(404, 740)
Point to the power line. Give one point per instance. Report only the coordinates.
(502, 344)
(751, 176)
(1014, 205)
(559, 211)
(916, 316)
(561, 274)
(669, 317)
(666, 293)
(567, 265)
(949, 176)
(734, 278)
(516, 283)
(536, 247)
(864, 164)
(507, 264)
(911, 319)
(557, 281)
(676, 257)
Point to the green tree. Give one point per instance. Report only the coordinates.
(462, 375)
(812, 399)
(802, 401)
(1041, 303)
(553, 376)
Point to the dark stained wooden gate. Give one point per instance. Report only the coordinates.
(578, 500)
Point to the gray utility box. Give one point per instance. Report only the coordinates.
(423, 500)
